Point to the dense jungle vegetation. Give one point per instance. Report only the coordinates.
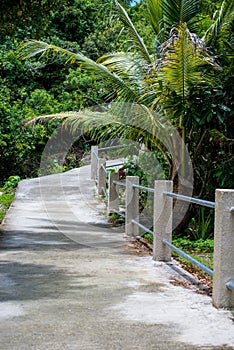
(173, 57)
(28, 90)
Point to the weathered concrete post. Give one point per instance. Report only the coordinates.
(223, 249)
(132, 206)
(101, 176)
(113, 199)
(163, 206)
(94, 161)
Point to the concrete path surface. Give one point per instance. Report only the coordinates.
(70, 281)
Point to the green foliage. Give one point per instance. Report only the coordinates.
(11, 183)
(36, 88)
(146, 178)
(201, 250)
(201, 226)
(7, 193)
(205, 259)
(78, 19)
(115, 219)
(132, 168)
(149, 237)
(188, 245)
(165, 15)
(149, 166)
(81, 90)
(102, 41)
(174, 82)
(70, 20)
(20, 147)
(54, 168)
(184, 62)
(34, 15)
(137, 41)
(221, 24)
(5, 202)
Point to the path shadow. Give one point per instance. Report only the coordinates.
(34, 281)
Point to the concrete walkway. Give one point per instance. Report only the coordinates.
(69, 281)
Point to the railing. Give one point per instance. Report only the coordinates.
(108, 183)
(191, 199)
(97, 161)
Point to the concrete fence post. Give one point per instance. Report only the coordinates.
(94, 162)
(101, 176)
(132, 206)
(113, 198)
(163, 206)
(223, 249)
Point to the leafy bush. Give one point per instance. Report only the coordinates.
(149, 237)
(7, 193)
(11, 183)
(185, 243)
(132, 168)
(5, 202)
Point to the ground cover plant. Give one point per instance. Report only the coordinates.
(7, 193)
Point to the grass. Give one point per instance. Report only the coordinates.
(5, 202)
(7, 194)
(204, 258)
(200, 249)
(115, 219)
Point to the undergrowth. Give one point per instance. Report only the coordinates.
(7, 193)
(201, 250)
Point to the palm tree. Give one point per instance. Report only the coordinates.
(138, 76)
(147, 89)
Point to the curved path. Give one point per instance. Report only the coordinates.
(69, 281)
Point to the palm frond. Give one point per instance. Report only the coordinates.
(166, 14)
(132, 122)
(152, 92)
(116, 85)
(122, 120)
(121, 62)
(138, 41)
(155, 14)
(47, 117)
(171, 12)
(188, 10)
(184, 55)
(129, 66)
(221, 17)
(179, 11)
